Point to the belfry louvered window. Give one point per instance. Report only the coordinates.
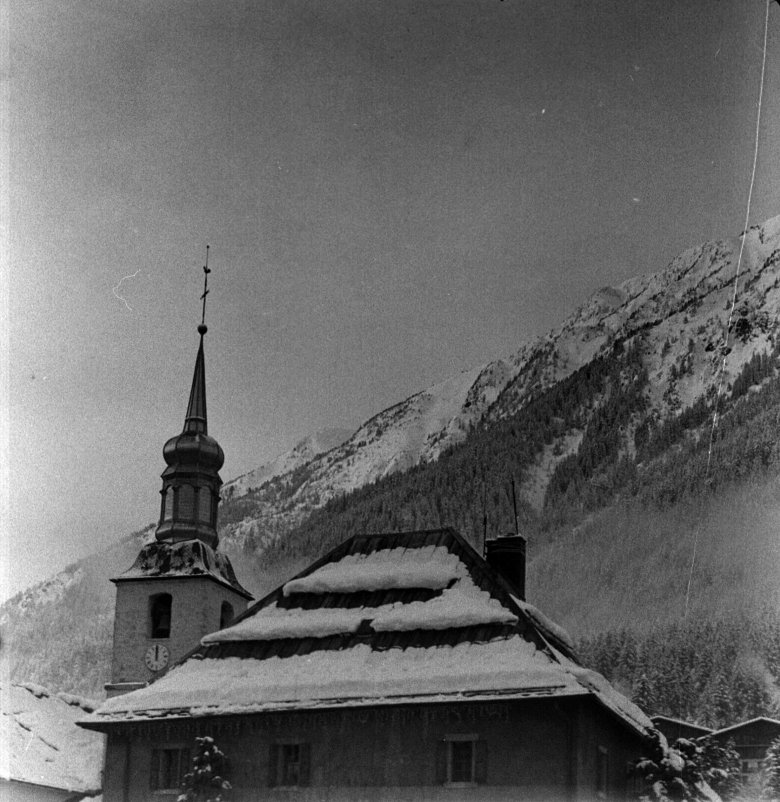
(204, 505)
(160, 615)
(186, 503)
(168, 504)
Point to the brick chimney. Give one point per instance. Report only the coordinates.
(507, 556)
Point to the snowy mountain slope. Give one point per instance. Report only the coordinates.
(417, 429)
(681, 313)
(300, 454)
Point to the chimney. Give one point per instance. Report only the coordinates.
(507, 556)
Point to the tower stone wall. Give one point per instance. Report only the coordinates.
(195, 611)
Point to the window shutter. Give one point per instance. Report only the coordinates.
(442, 747)
(480, 762)
(273, 765)
(305, 766)
(185, 765)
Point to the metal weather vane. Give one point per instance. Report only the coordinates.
(206, 271)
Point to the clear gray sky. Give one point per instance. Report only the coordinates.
(392, 192)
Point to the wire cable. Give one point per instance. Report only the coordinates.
(725, 350)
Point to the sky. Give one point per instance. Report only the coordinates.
(391, 192)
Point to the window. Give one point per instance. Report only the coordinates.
(289, 764)
(225, 614)
(602, 772)
(186, 511)
(204, 505)
(169, 765)
(462, 760)
(168, 504)
(160, 615)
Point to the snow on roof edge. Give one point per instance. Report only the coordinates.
(745, 723)
(97, 721)
(606, 694)
(680, 721)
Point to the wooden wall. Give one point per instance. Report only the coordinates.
(536, 750)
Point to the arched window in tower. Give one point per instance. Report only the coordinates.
(225, 614)
(204, 505)
(168, 504)
(160, 615)
(186, 503)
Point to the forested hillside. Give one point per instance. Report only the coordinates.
(711, 672)
(623, 457)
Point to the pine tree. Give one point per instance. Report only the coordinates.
(772, 772)
(644, 694)
(206, 781)
(720, 764)
(672, 773)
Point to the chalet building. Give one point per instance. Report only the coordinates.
(674, 728)
(751, 739)
(397, 667)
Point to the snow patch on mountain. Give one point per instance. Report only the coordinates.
(682, 314)
(48, 592)
(302, 452)
(419, 428)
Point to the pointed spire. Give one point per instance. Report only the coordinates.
(195, 419)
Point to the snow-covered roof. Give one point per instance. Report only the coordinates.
(163, 559)
(237, 685)
(43, 745)
(672, 720)
(409, 617)
(432, 567)
(747, 723)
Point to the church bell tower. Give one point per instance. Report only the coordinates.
(180, 586)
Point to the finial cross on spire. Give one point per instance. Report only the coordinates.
(202, 328)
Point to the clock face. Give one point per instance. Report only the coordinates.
(156, 657)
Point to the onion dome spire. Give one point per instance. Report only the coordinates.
(191, 482)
